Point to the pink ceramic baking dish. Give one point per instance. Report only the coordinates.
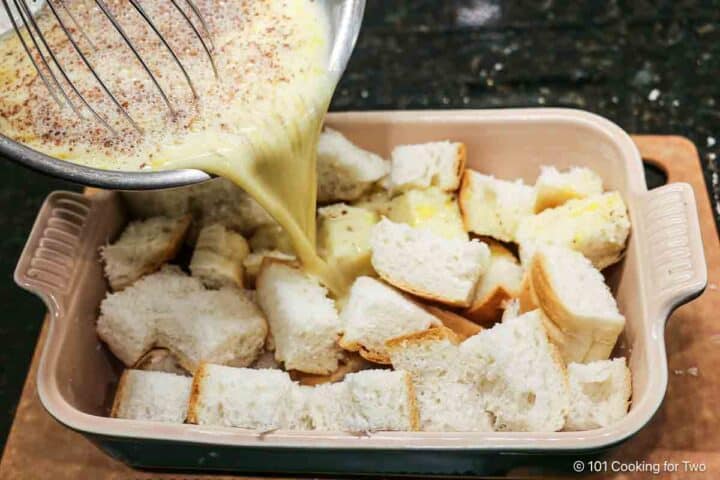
(664, 267)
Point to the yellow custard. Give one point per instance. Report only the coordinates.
(256, 123)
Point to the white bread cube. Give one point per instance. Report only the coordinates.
(573, 295)
(381, 400)
(253, 262)
(432, 209)
(271, 237)
(260, 399)
(494, 207)
(345, 171)
(498, 285)
(597, 227)
(427, 164)
(218, 257)
(171, 310)
(520, 375)
(303, 320)
(599, 394)
(343, 238)
(326, 406)
(424, 264)
(375, 313)
(143, 247)
(553, 188)
(154, 396)
(446, 403)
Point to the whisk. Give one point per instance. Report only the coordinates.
(25, 19)
(345, 18)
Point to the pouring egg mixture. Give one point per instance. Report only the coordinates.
(256, 123)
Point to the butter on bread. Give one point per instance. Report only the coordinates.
(151, 395)
(343, 238)
(303, 321)
(142, 248)
(494, 207)
(422, 263)
(573, 295)
(596, 226)
(345, 171)
(171, 310)
(553, 187)
(218, 257)
(432, 209)
(500, 283)
(376, 312)
(424, 165)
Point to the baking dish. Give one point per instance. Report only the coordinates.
(663, 268)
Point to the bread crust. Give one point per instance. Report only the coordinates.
(464, 197)
(422, 294)
(461, 326)
(119, 394)
(565, 322)
(460, 163)
(414, 412)
(433, 334)
(488, 310)
(195, 390)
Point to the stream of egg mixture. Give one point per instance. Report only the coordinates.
(256, 123)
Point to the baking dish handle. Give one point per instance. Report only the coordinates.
(50, 262)
(675, 261)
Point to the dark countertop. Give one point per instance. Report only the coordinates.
(652, 67)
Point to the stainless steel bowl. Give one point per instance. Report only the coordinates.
(345, 19)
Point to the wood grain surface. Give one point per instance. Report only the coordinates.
(687, 427)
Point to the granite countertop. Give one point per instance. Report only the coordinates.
(652, 67)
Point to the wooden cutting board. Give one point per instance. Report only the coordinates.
(687, 427)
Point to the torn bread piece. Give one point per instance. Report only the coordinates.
(143, 247)
(427, 265)
(494, 207)
(599, 394)
(218, 257)
(446, 403)
(574, 297)
(171, 310)
(253, 262)
(345, 171)
(343, 238)
(303, 320)
(553, 188)
(432, 209)
(501, 282)
(160, 360)
(260, 399)
(519, 374)
(376, 312)
(154, 396)
(460, 326)
(423, 165)
(381, 400)
(597, 227)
